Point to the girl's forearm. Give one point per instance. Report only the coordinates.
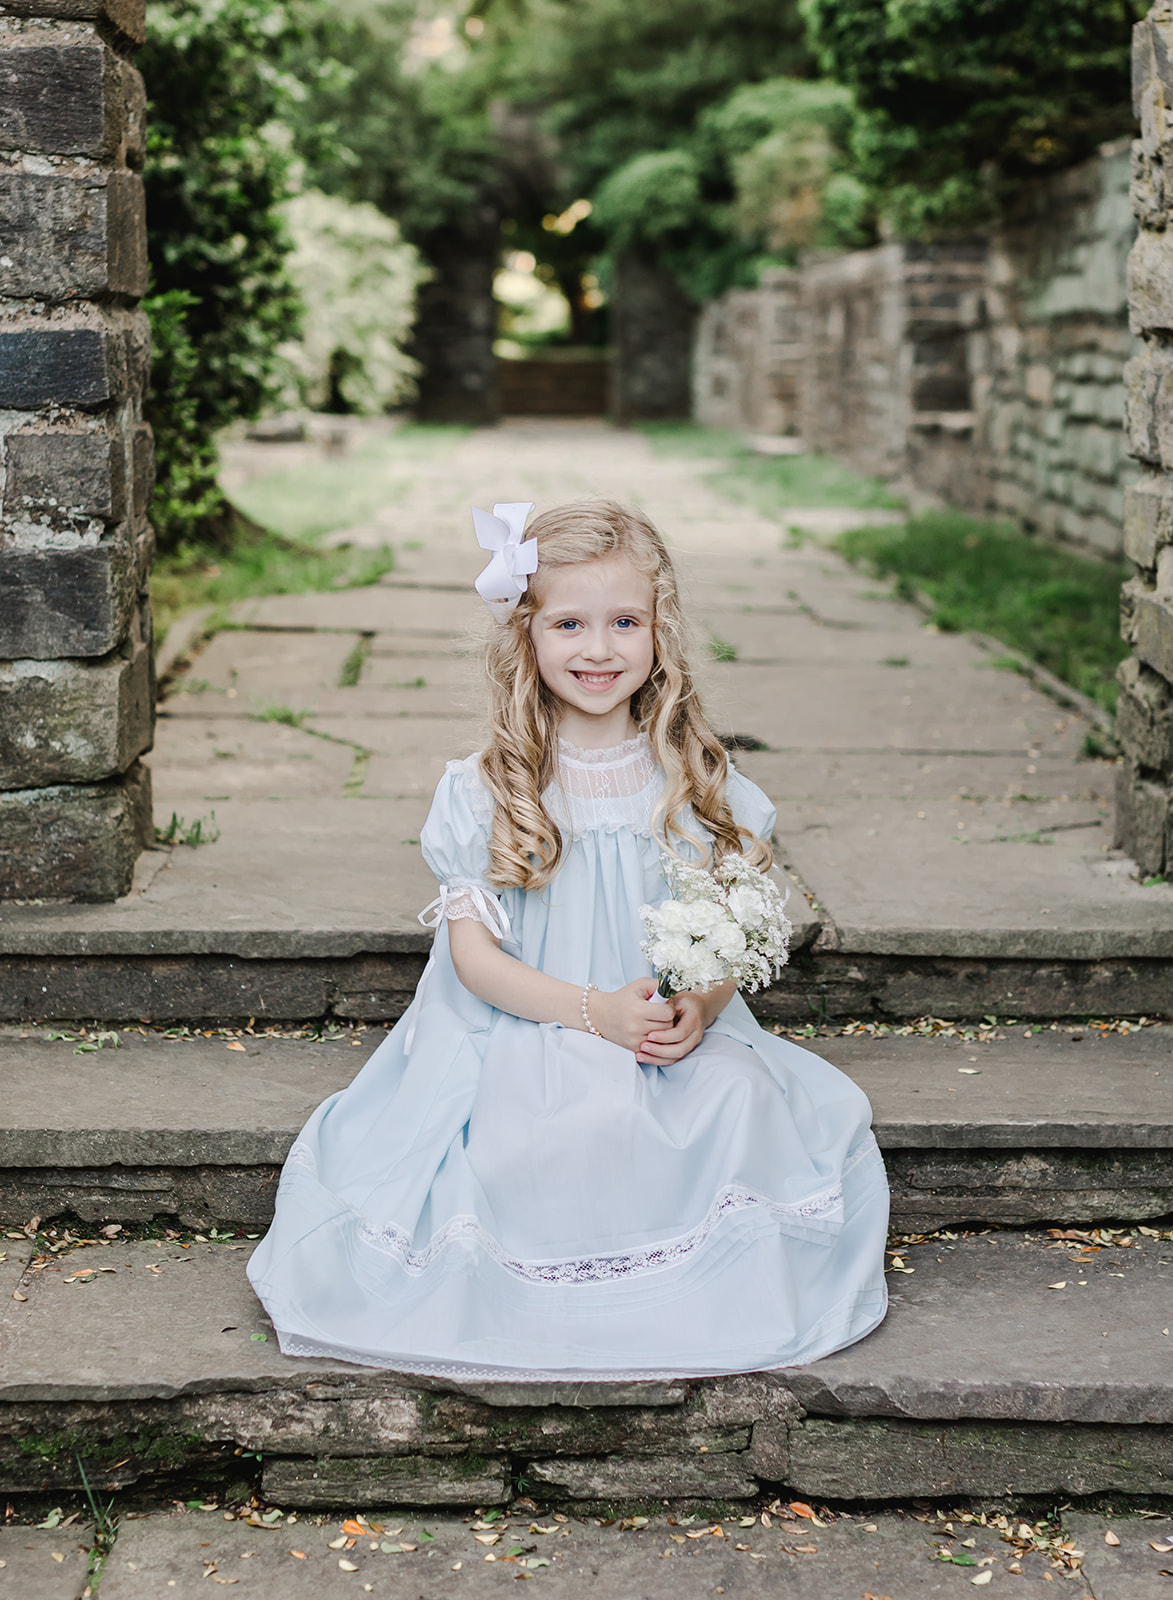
(714, 1001)
(502, 981)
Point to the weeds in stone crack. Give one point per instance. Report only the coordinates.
(204, 830)
(105, 1533)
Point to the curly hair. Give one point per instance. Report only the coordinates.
(520, 762)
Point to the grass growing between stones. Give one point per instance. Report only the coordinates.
(289, 510)
(199, 575)
(772, 484)
(316, 497)
(1058, 608)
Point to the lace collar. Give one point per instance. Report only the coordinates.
(615, 755)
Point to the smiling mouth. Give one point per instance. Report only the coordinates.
(596, 680)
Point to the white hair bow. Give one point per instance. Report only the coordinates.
(504, 581)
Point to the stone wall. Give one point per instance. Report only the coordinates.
(652, 324)
(1144, 797)
(76, 677)
(748, 374)
(1048, 359)
(987, 372)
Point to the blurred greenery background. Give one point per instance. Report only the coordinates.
(315, 165)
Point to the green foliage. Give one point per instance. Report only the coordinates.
(962, 99)
(220, 303)
(652, 195)
(1058, 608)
(415, 142)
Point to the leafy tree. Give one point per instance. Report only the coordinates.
(216, 169)
(962, 99)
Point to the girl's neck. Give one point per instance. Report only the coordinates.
(597, 733)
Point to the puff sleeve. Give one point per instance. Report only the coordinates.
(751, 808)
(455, 843)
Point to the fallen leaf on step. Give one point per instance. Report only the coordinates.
(347, 1566)
(487, 1538)
(1111, 1538)
(1062, 1285)
(234, 1044)
(1162, 1549)
(337, 1544)
(983, 1577)
(805, 1549)
(57, 1555)
(800, 1509)
(351, 1526)
(298, 1555)
(18, 1295)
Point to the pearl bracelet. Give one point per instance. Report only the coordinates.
(590, 1027)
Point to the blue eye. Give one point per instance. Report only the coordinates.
(567, 625)
(626, 622)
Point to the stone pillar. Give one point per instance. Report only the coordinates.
(76, 680)
(652, 324)
(456, 324)
(1144, 795)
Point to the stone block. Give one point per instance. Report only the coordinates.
(1148, 400)
(1144, 815)
(1148, 519)
(75, 721)
(61, 366)
(1144, 716)
(77, 602)
(888, 1460)
(70, 237)
(1154, 633)
(1150, 283)
(611, 1478)
(218, 987)
(65, 473)
(74, 842)
(386, 1480)
(126, 17)
(65, 98)
(142, 468)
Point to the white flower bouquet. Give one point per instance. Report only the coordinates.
(727, 923)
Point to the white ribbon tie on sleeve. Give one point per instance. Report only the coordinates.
(505, 579)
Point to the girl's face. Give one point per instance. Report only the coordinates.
(593, 638)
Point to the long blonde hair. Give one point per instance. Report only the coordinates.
(521, 761)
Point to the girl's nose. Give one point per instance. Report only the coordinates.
(597, 646)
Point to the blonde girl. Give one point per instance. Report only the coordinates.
(544, 1171)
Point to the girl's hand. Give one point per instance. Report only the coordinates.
(626, 1016)
(668, 1043)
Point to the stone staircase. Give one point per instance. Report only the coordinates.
(1013, 1362)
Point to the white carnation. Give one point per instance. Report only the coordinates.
(702, 916)
(726, 941)
(747, 906)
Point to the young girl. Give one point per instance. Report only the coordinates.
(544, 1172)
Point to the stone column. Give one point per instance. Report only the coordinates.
(652, 324)
(76, 464)
(1144, 796)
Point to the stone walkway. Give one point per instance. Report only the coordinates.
(929, 804)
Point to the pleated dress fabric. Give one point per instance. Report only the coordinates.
(493, 1197)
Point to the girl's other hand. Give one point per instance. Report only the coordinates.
(669, 1043)
(627, 1016)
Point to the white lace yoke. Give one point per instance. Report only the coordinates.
(605, 789)
(595, 791)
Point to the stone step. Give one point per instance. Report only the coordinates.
(1009, 1364)
(1064, 1126)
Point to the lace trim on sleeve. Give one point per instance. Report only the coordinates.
(467, 899)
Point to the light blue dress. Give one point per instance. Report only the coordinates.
(499, 1198)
